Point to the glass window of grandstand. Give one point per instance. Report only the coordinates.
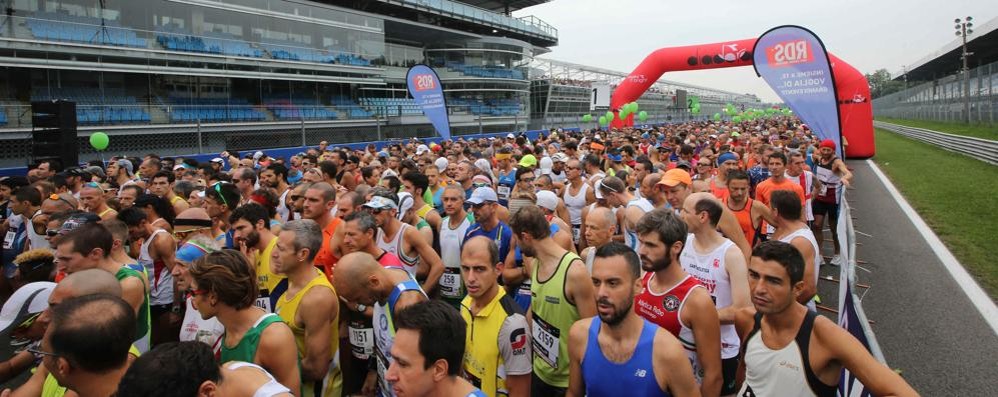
(268, 29)
(498, 61)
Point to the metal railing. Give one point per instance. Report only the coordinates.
(529, 24)
(981, 149)
(944, 100)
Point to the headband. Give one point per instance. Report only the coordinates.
(192, 222)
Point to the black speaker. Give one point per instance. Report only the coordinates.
(681, 99)
(53, 132)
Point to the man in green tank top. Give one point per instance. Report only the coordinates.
(129, 272)
(562, 292)
(89, 247)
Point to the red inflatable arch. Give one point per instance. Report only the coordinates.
(855, 110)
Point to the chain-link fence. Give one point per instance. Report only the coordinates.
(945, 99)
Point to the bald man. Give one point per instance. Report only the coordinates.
(601, 226)
(81, 283)
(93, 200)
(193, 222)
(52, 204)
(677, 188)
(648, 190)
(359, 278)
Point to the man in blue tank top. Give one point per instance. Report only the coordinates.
(618, 348)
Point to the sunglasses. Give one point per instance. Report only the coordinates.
(39, 352)
(180, 235)
(51, 232)
(604, 186)
(373, 211)
(55, 196)
(28, 321)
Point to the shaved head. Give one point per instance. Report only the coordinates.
(651, 179)
(692, 199)
(355, 277)
(88, 282)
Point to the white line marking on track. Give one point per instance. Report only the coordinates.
(974, 292)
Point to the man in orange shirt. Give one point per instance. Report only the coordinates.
(320, 198)
(777, 163)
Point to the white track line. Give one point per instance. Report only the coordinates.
(974, 292)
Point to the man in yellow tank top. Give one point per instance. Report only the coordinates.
(309, 307)
(561, 293)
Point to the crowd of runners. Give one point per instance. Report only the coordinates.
(676, 260)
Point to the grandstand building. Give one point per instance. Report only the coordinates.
(182, 76)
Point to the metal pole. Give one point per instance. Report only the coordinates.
(200, 138)
(303, 142)
(966, 74)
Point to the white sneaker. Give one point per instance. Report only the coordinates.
(837, 260)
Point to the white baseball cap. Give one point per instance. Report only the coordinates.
(547, 199)
(483, 194)
(31, 298)
(422, 149)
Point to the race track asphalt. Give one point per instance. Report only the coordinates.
(926, 326)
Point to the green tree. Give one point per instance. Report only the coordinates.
(881, 83)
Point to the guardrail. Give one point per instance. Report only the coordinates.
(980, 149)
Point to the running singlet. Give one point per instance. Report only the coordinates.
(721, 192)
(806, 232)
(501, 234)
(744, 217)
(665, 310)
(505, 186)
(552, 317)
(160, 279)
(497, 342)
(359, 326)
(709, 269)
(830, 182)
(384, 331)
(195, 328)
(396, 246)
(271, 388)
(143, 321)
(806, 182)
(266, 280)
(783, 372)
(451, 240)
(245, 350)
(575, 204)
(631, 236)
(606, 378)
(287, 308)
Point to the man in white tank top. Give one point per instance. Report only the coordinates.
(720, 266)
(404, 241)
(790, 229)
(453, 228)
(790, 351)
(577, 195)
(157, 255)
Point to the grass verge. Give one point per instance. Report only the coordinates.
(954, 194)
(964, 129)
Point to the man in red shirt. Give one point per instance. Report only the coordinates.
(320, 198)
(777, 163)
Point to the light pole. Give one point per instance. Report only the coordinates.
(963, 29)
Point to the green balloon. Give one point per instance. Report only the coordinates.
(737, 119)
(99, 140)
(587, 118)
(643, 115)
(717, 117)
(634, 107)
(609, 115)
(602, 120)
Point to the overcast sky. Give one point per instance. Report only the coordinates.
(868, 34)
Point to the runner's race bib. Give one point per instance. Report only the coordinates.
(503, 192)
(8, 239)
(450, 283)
(361, 341)
(576, 233)
(545, 340)
(263, 301)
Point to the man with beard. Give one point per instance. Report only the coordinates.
(676, 301)
(295, 201)
(219, 200)
(808, 351)
(251, 231)
(617, 347)
(726, 163)
(404, 240)
(119, 173)
(677, 185)
(275, 176)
